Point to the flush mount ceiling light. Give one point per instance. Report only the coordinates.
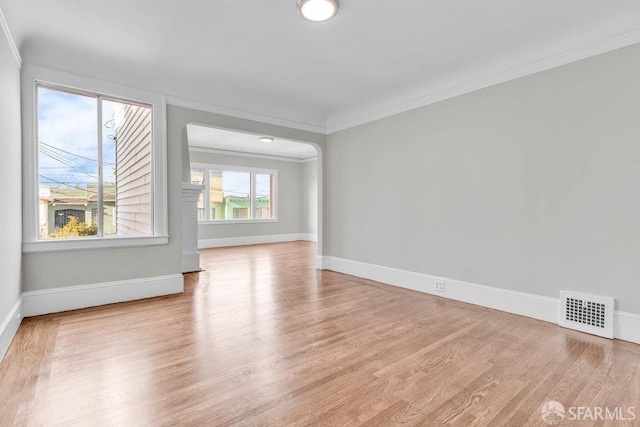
(317, 10)
(265, 139)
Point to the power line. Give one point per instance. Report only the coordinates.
(56, 156)
(65, 151)
(73, 154)
(65, 183)
(62, 160)
(54, 167)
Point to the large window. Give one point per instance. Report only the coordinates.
(232, 193)
(99, 169)
(94, 155)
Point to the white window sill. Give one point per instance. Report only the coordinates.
(54, 245)
(238, 221)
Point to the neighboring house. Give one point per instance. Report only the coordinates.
(58, 205)
(238, 208)
(133, 170)
(233, 207)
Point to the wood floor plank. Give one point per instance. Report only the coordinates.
(260, 337)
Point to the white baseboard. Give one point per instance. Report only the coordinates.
(309, 237)
(35, 303)
(320, 262)
(253, 240)
(627, 325)
(9, 327)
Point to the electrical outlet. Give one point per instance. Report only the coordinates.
(438, 285)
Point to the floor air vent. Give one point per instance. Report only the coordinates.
(587, 313)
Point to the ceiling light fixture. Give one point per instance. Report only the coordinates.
(265, 139)
(317, 10)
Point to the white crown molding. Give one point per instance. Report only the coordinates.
(55, 300)
(627, 325)
(247, 115)
(9, 327)
(375, 112)
(372, 112)
(196, 149)
(12, 43)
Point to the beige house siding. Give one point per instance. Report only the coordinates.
(133, 170)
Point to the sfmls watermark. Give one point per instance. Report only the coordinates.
(553, 413)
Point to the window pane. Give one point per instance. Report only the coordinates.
(67, 163)
(197, 178)
(201, 207)
(264, 190)
(215, 195)
(126, 150)
(231, 194)
(240, 213)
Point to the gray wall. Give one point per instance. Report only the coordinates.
(289, 195)
(531, 185)
(11, 178)
(310, 197)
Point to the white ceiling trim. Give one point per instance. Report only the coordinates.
(340, 122)
(253, 155)
(12, 43)
(216, 109)
(310, 159)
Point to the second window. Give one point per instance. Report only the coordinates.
(234, 193)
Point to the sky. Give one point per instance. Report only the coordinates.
(67, 136)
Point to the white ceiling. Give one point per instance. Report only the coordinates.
(258, 58)
(237, 142)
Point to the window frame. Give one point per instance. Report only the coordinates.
(208, 167)
(32, 77)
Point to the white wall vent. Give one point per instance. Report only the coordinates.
(588, 313)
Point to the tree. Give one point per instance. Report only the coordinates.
(75, 228)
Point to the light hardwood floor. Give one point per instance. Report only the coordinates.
(262, 338)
